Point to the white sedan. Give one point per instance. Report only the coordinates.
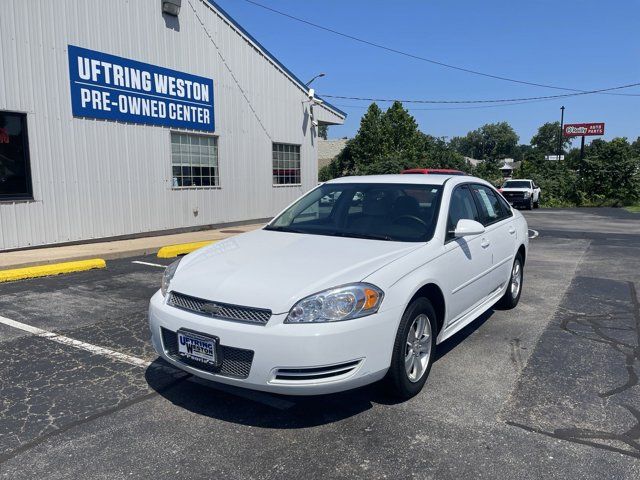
(331, 297)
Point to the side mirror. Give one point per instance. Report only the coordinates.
(466, 227)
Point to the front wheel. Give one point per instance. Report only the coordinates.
(530, 204)
(413, 350)
(512, 296)
(536, 204)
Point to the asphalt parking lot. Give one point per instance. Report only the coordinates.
(547, 390)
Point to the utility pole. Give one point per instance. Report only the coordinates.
(561, 129)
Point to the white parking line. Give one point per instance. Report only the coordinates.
(96, 350)
(150, 264)
(261, 397)
(535, 233)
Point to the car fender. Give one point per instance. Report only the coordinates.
(402, 279)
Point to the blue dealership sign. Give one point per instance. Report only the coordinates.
(115, 88)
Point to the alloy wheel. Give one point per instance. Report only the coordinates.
(516, 278)
(418, 348)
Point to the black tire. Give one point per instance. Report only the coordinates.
(536, 204)
(509, 300)
(398, 383)
(530, 204)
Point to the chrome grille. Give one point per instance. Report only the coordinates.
(219, 310)
(513, 195)
(236, 362)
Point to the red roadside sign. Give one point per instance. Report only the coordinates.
(582, 129)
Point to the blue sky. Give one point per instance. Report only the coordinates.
(584, 44)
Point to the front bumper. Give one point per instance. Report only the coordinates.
(295, 359)
(519, 202)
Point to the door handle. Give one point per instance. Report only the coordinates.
(484, 243)
(512, 231)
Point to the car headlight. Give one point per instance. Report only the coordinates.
(336, 304)
(168, 274)
(527, 194)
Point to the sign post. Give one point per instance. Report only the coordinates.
(561, 130)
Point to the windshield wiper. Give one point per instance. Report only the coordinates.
(372, 236)
(284, 229)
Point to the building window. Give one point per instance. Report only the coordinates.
(194, 160)
(15, 176)
(286, 164)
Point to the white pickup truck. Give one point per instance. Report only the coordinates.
(521, 192)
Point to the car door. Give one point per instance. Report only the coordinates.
(468, 259)
(536, 192)
(500, 232)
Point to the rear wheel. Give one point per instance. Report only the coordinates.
(413, 350)
(512, 296)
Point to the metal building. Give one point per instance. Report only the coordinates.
(117, 118)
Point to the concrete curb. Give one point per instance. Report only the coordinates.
(139, 252)
(116, 249)
(171, 251)
(51, 269)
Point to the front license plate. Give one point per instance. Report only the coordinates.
(198, 347)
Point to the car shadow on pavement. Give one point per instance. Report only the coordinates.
(452, 342)
(266, 410)
(261, 409)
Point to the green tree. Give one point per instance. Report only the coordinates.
(323, 131)
(610, 173)
(522, 151)
(549, 138)
(489, 170)
(635, 146)
(401, 136)
(367, 145)
(390, 163)
(386, 142)
(557, 181)
(324, 173)
(492, 140)
(438, 154)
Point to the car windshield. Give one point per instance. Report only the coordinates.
(393, 212)
(517, 184)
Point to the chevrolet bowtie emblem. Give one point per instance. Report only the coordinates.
(211, 308)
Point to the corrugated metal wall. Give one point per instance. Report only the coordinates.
(96, 178)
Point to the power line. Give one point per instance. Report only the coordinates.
(500, 100)
(424, 59)
(413, 109)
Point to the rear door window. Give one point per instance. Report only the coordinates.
(491, 208)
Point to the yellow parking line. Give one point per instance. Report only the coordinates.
(171, 251)
(51, 269)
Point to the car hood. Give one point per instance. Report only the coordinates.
(521, 189)
(267, 269)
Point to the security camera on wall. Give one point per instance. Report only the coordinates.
(314, 123)
(312, 97)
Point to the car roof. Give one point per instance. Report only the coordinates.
(433, 171)
(431, 179)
